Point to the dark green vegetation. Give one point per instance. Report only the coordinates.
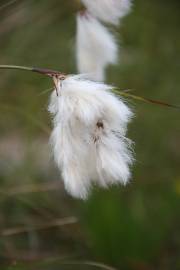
(134, 227)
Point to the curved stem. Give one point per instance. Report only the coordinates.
(16, 67)
(58, 75)
(44, 71)
(147, 100)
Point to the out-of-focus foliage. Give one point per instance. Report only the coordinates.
(134, 227)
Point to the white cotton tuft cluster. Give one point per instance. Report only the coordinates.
(89, 136)
(110, 11)
(96, 47)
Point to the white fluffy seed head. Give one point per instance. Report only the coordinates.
(110, 11)
(89, 136)
(96, 47)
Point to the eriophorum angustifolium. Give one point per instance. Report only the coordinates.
(89, 136)
(96, 47)
(110, 11)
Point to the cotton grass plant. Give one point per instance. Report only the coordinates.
(35, 212)
(88, 139)
(108, 11)
(89, 134)
(96, 46)
(90, 118)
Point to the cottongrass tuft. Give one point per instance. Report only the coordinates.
(110, 11)
(96, 47)
(89, 135)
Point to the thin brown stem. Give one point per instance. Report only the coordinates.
(147, 100)
(43, 71)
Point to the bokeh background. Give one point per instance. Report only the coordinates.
(135, 227)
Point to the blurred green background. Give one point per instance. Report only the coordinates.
(131, 228)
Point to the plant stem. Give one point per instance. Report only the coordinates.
(56, 75)
(16, 67)
(44, 71)
(147, 100)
